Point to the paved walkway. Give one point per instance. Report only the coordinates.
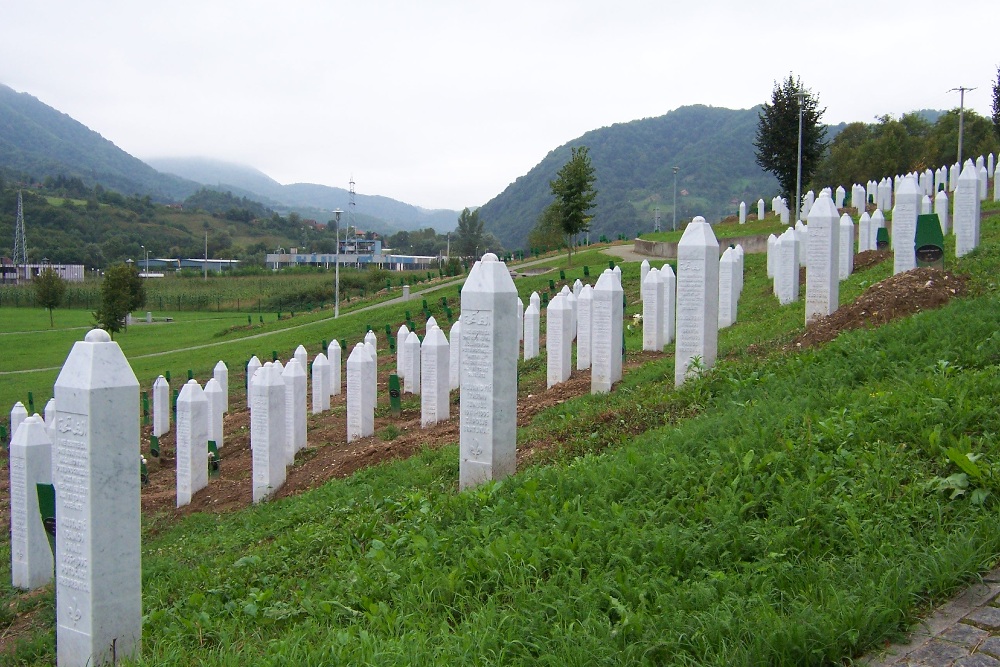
(962, 633)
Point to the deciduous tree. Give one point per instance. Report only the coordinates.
(778, 134)
(122, 292)
(996, 105)
(573, 187)
(469, 235)
(50, 289)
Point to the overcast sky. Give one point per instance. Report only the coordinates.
(443, 103)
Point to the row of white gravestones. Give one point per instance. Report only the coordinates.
(435, 377)
(558, 340)
(967, 210)
(95, 462)
(697, 300)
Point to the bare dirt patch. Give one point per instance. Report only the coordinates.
(897, 296)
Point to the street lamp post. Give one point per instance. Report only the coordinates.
(673, 227)
(961, 119)
(147, 260)
(336, 289)
(801, 95)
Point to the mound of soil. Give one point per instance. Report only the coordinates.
(897, 296)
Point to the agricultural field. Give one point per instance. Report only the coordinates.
(800, 504)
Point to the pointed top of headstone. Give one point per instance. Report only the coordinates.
(823, 207)
(402, 330)
(667, 270)
(293, 368)
(191, 391)
(321, 360)
(698, 232)
(301, 349)
(435, 338)
(221, 366)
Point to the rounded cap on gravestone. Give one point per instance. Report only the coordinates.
(489, 257)
(97, 336)
(191, 391)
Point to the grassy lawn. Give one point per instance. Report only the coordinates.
(785, 509)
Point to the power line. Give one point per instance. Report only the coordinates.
(20, 241)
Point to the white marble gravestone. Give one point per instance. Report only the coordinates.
(295, 409)
(558, 342)
(802, 238)
(360, 412)
(571, 300)
(643, 271)
(846, 250)
(577, 287)
(785, 213)
(760, 209)
(618, 274)
(373, 370)
(877, 223)
(743, 212)
(252, 366)
(926, 206)
(967, 211)
(520, 320)
(822, 260)
(941, 208)
(839, 196)
(983, 184)
(96, 477)
(606, 333)
(411, 381)
(536, 300)
(728, 288)
(161, 406)
(430, 324)
(50, 418)
(697, 299)
(772, 249)
(786, 270)
(372, 339)
(17, 415)
(488, 401)
(455, 354)
(807, 203)
(216, 411)
(652, 312)
(192, 441)
(30, 463)
(990, 165)
(864, 232)
(333, 355)
(435, 383)
(302, 356)
(320, 384)
(267, 431)
(531, 331)
(401, 364)
(584, 317)
(669, 302)
(221, 375)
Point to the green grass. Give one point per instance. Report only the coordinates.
(728, 229)
(780, 510)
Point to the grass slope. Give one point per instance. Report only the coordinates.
(795, 509)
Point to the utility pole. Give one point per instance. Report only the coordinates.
(961, 119)
(336, 288)
(801, 95)
(673, 227)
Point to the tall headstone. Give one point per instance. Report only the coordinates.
(295, 409)
(17, 416)
(996, 188)
(435, 360)
(823, 260)
(606, 333)
(401, 362)
(411, 381)
(372, 370)
(864, 232)
(430, 324)
(809, 200)
(216, 411)
(584, 317)
(531, 331)
(728, 287)
(772, 249)
(760, 209)
(161, 406)
(743, 212)
(846, 246)
(96, 479)
(618, 274)
(941, 208)
(983, 183)
(697, 299)
(30, 464)
(558, 341)
(536, 300)
(320, 384)
(455, 354)
(333, 355)
(643, 271)
(786, 272)
(652, 312)
(302, 356)
(488, 402)
(267, 431)
(925, 205)
(967, 211)
(192, 442)
(360, 411)
(669, 302)
(221, 375)
(990, 165)
(520, 319)
(371, 339)
(252, 366)
(785, 213)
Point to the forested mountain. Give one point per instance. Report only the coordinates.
(634, 166)
(37, 141)
(311, 200)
